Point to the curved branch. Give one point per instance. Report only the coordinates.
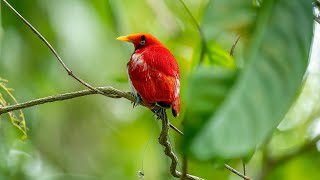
(164, 141)
(108, 91)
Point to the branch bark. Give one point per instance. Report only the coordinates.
(164, 141)
(108, 91)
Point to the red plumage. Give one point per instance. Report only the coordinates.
(154, 72)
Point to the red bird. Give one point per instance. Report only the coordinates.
(153, 72)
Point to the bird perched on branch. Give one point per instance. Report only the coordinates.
(153, 73)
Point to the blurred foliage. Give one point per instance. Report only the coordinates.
(99, 138)
(271, 78)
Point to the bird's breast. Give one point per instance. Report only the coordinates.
(137, 62)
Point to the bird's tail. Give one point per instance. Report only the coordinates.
(176, 107)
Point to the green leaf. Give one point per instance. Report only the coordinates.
(202, 100)
(20, 122)
(223, 17)
(218, 57)
(244, 114)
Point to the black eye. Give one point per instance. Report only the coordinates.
(143, 40)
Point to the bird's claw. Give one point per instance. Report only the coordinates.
(159, 111)
(137, 102)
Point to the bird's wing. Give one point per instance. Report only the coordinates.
(160, 59)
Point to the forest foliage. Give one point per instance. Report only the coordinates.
(259, 105)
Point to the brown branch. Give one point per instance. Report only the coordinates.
(164, 141)
(108, 91)
(43, 39)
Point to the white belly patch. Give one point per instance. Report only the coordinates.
(137, 61)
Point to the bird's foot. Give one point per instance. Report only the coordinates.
(160, 112)
(137, 102)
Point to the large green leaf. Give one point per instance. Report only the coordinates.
(245, 113)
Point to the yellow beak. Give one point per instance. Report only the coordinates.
(124, 38)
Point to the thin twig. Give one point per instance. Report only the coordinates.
(234, 46)
(244, 168)
(236, 172)
(43, 39)
(176, 129)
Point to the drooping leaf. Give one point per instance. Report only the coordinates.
(218, 57)
(218, 82)
(19, 122)
(245, 113)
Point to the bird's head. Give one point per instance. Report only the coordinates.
(140, 40)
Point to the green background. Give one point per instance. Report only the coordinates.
(95, 137)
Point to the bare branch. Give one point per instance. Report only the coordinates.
(43, 39)
(164, 141)
(108, 91)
